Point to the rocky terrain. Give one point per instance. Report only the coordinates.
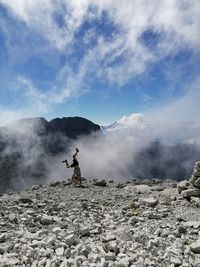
(101, 224)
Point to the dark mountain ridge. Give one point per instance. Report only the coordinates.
(166, 161)
(26, 145)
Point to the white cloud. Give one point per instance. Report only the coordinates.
(43, 17)
(10, 115)
(121, 57)
(133, 121)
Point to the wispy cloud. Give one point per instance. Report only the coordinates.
(10, 115)
(174, 25)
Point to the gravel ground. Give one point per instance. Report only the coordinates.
(142, 223)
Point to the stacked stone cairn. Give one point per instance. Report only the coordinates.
(191, 188)
(195, 178)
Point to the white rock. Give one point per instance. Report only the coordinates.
(42, 252)
(191, 192)
(185, 264)
(183, 185)
(194, 224)
(109, 236)
(151, 201)
(56, 230)
(112, 246)
(195, 247)
(175, 260)
(64, 263)
(123, 263)
(140, 188)
(42, 232)
(60, 251)
(110, 256)
(197, 182)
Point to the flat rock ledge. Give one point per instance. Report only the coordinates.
(134, 224)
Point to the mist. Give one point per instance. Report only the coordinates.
(144, 149)
(31, 153)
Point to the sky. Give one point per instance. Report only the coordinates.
(100, 59)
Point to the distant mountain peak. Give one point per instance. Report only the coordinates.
(135, 120)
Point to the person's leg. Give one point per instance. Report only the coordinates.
(79, 178)
(73, 178)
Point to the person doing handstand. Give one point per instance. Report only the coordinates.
(76, 177)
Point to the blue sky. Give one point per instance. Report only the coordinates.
(99, 59)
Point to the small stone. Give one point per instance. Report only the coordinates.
(120, 185)
(54, 184)
(42, 232)
(35, 187)
(185, 264)
(3, 238)
(175, 260)
(195, 200)
(102, 183)
(183, 185)
(197, 182)
(108, 237)
(195, 247)
(194, 224)
(151, 201)
(46, 220)
(123, 263)
(43, 252)
(135, 205)
(153, 215)
(182, 230)
(25, 200)
(60, 251)
(85, 231)
(112, 247)
(13, 218)
(71, 239)
(56, 230)
(110, 256)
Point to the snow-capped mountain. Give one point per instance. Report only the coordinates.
(134, 121)
(170, 132)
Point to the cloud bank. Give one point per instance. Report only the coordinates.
(132, 147)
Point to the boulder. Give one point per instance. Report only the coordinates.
(191, 192)
(183, 185)
(150, 202)
(197, 182)
(195, 178)
(100, 183)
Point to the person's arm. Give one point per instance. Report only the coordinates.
(67, 165)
